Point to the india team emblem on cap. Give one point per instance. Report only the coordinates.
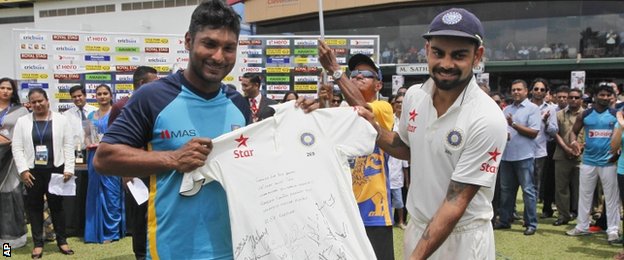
(307, 139)
(451, 18)
(455, 138)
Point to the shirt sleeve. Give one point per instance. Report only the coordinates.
(479, 161)
(134, 124)
(534, 119)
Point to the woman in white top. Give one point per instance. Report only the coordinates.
(42, 145)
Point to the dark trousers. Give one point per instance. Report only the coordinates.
(381, 239)
(34, 205)
(547, 188)
(138, 216)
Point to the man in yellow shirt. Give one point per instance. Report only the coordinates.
(371, 184)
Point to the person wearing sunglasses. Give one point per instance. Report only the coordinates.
(371, 184)
(566, 162)
(544, 146)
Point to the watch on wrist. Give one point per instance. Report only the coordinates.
(513, 124)
(337, 74)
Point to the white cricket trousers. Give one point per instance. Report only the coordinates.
(474, 240)
(588, 176)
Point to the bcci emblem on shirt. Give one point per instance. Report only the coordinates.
(307, 139)
(454, 138)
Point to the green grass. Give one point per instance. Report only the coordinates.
(549, 242)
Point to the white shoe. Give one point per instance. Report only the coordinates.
(613, 236)
(576, 232)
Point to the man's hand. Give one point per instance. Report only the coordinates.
(366, 114)
(308, 105)
(576, 148)
(546, 115)
(125, 180)
(509, 120)
(192, 155)
(327, 57)
(326, 94)
(27, 179)
(67, 176)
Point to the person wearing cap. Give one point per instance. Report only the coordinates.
(371, 183)
(454, 135)
(597, 161)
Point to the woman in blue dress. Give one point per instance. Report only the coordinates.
(105, 213)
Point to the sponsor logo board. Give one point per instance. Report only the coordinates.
(66, 57)
(306, 78)
(34, 66)
(66, 37)
(278, 87)
(96, 48)
(362, 42)
(280, 42)
(127, 40)
(306, 42)
(278, 70)
(98, 77)
(33, 56)
(26, 85)
(66, 76)
(278, 60)
(277, 51)
(156, 40)
(34, 76)
(97, 57)
(252, 51)
(306, 87)
(97, 38)
(366, 51)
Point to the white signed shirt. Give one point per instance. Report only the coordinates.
(288, 184)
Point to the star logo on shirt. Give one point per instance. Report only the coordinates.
(241, 141)
(412, 115)
(494, 154)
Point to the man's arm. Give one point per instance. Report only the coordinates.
(128, 161)
(616, 138)
(351, 93)
(525, 131)
(576, 128)
(387, 140)
(458, 196)
(564, 145)
(552, 127)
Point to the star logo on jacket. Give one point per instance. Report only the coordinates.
(494, 154)
(412, 115)
(242, 140)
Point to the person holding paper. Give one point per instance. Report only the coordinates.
(42, 145)
(12, 224)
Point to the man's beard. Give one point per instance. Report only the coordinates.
(449, 84)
